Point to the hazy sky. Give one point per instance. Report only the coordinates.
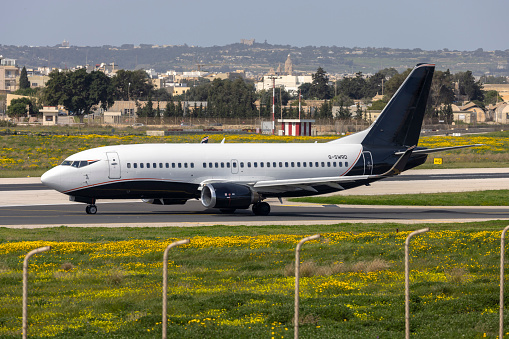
(429, 25)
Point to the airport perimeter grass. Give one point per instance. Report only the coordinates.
(236, 282)
(32, 155)
(474, 198)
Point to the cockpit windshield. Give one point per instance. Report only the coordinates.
(78, 163)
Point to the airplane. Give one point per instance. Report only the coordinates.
(231, 176)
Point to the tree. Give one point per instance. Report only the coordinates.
(131, 85)
(20, 107)
(320, 88)
(469, 87)
(354, 88)
(492, 97)
(78, 91)
(23, 79)
(392, 85)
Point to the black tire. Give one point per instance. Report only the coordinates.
(92, 209)
(261, 208)
(87, 209)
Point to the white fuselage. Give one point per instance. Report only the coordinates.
(201, 163)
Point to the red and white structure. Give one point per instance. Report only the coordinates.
(296, 127)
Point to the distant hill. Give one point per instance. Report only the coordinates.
(258, 58)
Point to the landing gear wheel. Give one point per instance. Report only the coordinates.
(91, 209)
(261, 208)
(227, 210)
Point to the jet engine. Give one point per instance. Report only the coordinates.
(228, 196)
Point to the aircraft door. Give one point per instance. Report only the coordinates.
(114, 165)
(368, 163)
(234, 166)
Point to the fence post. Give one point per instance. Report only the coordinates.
(407, 280)
(502, 250)
(25, 285)
(297, 266)
(165, 280)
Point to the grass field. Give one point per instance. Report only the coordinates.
(237, 282)
(32, 155)
(475, 198)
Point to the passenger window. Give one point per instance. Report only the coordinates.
(141, 165)
(274, 164)
(316, 164)
(210, 165)
(293, 164)
(242, 165)
(160, 165)
(135, 165)
(340, 164)
(154, 165)
(204, 165)
(255, 164)
(323, 164)
(128, 165)
(249, 164)
(334, 163)
(303, 164)
(286, 164)
(346, 163)
(192, 165)
(234, 165)
(222, 165)
(310, 164)
(180, 165)
(217, 165)
(228, 165)
(172, 165)
(268, 164)
(328, 163)
(148, 165)
(280, 164)
(298, 163)
(261, 164)
(167, 165)
(185, 165)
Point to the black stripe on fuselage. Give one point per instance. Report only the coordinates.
(140, 189)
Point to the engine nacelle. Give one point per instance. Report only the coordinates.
(226, 195)
(165, 201)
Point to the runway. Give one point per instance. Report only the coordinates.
(25, 203)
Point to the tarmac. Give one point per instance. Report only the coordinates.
(407, 186)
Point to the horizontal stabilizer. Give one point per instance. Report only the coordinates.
(441, 149)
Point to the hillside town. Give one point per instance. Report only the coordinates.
(178, 86)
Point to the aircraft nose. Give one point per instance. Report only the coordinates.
(51, 179)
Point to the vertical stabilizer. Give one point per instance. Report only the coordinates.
(400, 122)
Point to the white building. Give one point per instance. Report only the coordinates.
(290, 83)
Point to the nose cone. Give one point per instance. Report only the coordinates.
(52, 179)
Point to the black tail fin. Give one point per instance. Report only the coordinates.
(400, 122)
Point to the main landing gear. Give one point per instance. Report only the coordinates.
(91, 209)
(261, 208)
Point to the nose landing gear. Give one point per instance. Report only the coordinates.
(91, 209)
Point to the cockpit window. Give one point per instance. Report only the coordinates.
(78, 163)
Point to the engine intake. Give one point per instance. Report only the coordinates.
(225, 195)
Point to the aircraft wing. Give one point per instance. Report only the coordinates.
(307, 184)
